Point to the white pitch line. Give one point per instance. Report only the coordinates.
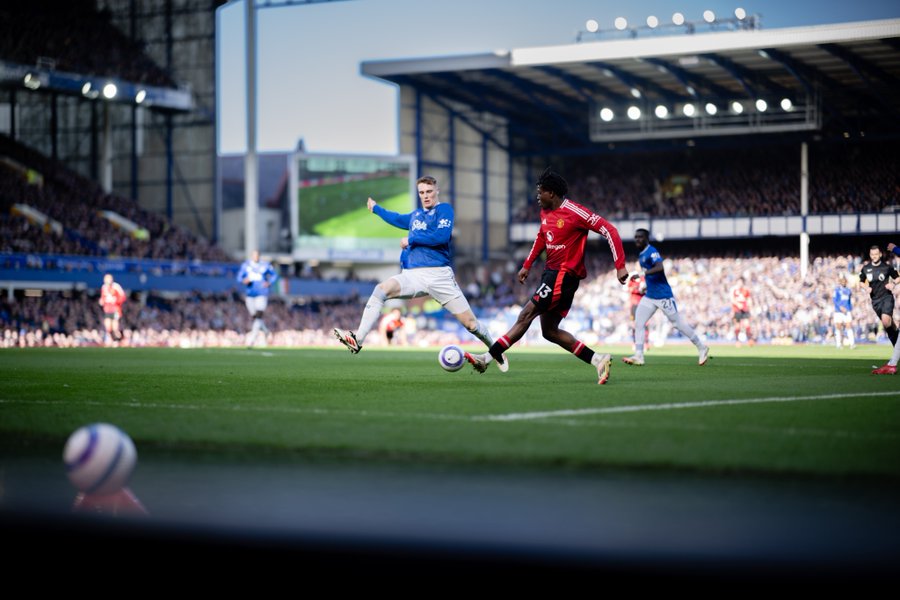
(671, 406)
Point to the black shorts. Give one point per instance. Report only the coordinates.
(741, 315)
(884, 305)
(114, 316)
(556, 292)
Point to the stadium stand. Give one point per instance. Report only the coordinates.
(761, 181)
(76, 38)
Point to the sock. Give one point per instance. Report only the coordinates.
(892, 334)
(582, 352)
(895, 357)
(498, 348)
(837, 337)
(851, 336)
(371, 314)
(482, 334)
(682, 326)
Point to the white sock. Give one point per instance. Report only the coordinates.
(895, 357)
(371, 314)
(482, 334)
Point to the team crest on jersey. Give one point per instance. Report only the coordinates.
(560, 223)
(549, 236)
(443, 223)
(417, 225)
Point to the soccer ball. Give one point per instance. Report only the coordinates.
(451, 358)
(99, 459)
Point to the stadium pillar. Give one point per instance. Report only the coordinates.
(106, 152)
(804, 208)
(54, 126)
(485, 213)
(250, 165)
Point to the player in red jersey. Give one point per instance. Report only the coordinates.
(740, 307)
(637, 288)
(112, 297)
(391, 327)
(563, 234)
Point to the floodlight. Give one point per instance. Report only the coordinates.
(786, 104)
(661, 112)
(762, 105)
(709, 16)
(621, 23)
(740, 13)
(689, 110)
(635, 93)
(110, 90)
(592, 25)
(711, 108)
(652, 22)
(86, 88)
(140, 96)
(634, 113)
(607, 114)
(678, 19)
(737, 108)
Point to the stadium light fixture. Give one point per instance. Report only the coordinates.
(607, 114)
(709, 16)
(634, 113)
(635, 93)
(740, 14)
(762, 105)
(140, 96)
(737, 108)
(678, 18)
(621, 23)
(592, 25)
(32, 82)
(690, 90)
(86, 88)
(689, 110)
(711, 109)
(652, 22)
(661, 112)
(787, 105)
(110, 90)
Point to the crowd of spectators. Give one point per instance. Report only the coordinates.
(763, 181)
(786, 308)
(30, 178)
(77, 39)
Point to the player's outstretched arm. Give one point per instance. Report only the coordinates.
(391, 218)
(622, 275)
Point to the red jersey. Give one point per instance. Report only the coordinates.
(563, 234)
(740, 299)
(636, 290)
(112, 297)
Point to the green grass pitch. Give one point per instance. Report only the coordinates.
(795, 410)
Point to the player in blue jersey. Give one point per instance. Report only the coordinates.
(843, 319)
(257, 277)
(426, 270)
(659, 296)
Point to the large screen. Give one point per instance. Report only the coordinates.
(330, 218)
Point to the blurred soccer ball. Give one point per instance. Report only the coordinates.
(99, 459)
(452, 358)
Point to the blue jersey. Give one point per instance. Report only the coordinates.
(258, 273)
(842, 299)
(429, 234)
(657, 284)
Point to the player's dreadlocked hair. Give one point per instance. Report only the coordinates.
(553, 182)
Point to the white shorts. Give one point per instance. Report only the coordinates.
(841, 318)
(437, 282)
(666, 305)
(256, 303)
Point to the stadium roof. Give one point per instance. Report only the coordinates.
(850, 71)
